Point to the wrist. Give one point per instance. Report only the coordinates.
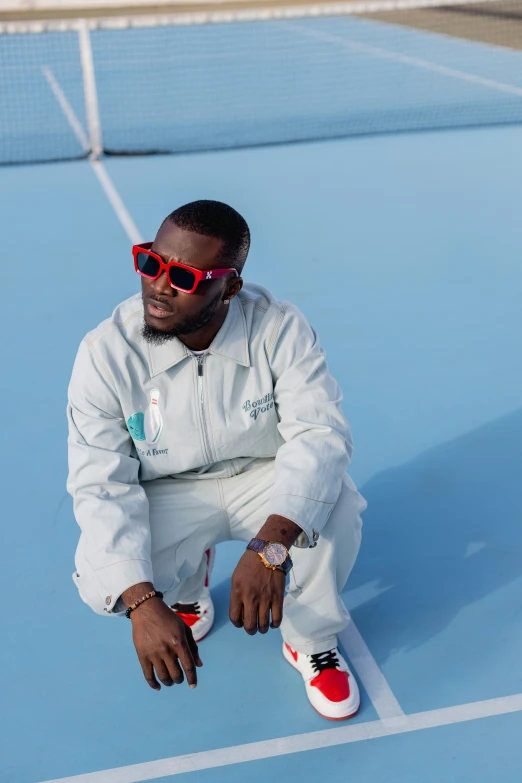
(134, 593)
(280, 529)
(141, 595)
(146, 608)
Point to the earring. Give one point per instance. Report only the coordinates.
(226, 301)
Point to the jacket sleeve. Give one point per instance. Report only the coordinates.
(110, 506)
(310, 465)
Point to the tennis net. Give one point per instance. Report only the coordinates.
(242, 74)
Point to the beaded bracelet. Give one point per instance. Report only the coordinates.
(152, 594)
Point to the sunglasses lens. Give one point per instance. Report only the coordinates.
(148, 265)
(181, 278)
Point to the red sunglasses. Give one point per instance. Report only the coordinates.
(184, 278)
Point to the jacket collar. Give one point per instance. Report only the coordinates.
(231, 342)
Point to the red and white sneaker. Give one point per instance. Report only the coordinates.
(199, 615)
(330, 686)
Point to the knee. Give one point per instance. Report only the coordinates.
(345, 519)
(351, 495)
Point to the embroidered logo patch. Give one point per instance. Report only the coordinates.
(135, 426)
(153, 423)
(147, 426)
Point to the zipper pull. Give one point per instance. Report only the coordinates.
(200, 365)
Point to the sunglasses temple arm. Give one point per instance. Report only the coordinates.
(223, 272)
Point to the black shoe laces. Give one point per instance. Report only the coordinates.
(187, 608)
(325, 660)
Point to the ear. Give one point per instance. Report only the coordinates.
(234, 288)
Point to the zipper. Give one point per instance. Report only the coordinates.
(206, 441)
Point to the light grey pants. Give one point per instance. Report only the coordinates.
(189, 516)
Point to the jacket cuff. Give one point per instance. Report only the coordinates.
(311, 515)
(113, 580)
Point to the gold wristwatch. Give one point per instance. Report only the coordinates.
(273, 554)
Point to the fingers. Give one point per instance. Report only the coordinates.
(168, 669)
(250, 612)
(189, 664)
(235, 612)
(171, 663)
(277, 612)
(193, 647)
(162, 672)
(254, 616)
(252, 601)
(148, 673)
(263, 618)
(166, 648)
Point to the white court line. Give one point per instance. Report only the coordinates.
(375, 684)
(89, 88)
(426, 65)
(122, 213)
(67, 109)
(254, 751)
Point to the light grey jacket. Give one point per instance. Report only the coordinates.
(138, 412)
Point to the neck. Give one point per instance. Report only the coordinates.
(202, 338)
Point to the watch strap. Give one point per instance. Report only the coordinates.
(287, 566)
(257, 545)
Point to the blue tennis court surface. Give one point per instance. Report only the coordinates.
(404, 253)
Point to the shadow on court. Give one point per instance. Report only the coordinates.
(441, 533)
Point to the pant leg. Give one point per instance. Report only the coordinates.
(313, 612)
(186, 517)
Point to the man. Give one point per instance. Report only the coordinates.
(202, 411)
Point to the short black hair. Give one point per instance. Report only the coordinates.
(215, 219)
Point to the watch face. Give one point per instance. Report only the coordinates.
(275, 554)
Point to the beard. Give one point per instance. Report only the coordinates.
(187, 326)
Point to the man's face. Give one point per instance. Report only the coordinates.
(169, 312)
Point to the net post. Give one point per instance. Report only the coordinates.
(89, 89)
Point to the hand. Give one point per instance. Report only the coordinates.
(164, 644)
(256, 591)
